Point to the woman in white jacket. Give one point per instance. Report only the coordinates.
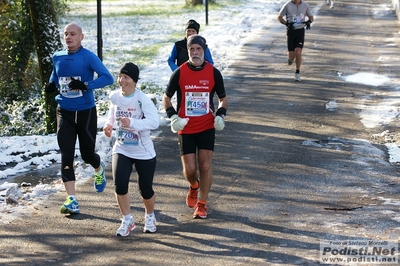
(135, 115)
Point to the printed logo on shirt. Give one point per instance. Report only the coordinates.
(204, 82)
(195, 87)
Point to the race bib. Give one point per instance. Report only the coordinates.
(65, 90)
(197, 103)
(127, 137)
(298, 19)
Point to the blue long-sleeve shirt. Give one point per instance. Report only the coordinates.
(80, 65)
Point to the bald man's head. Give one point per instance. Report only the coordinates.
(73, 36)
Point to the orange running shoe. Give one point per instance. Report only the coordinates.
(201, 211)
(191, 197)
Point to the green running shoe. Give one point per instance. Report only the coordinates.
(70, 206)
(100, 180)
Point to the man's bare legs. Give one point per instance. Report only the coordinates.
(190, 172)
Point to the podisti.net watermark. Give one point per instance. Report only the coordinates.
(350, 252)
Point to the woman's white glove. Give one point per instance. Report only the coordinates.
(178, 123)
(219, 123)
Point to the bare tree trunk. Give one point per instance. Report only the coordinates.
(47, 42)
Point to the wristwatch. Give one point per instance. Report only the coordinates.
(86, 84)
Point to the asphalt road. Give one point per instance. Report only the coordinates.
(288, 173)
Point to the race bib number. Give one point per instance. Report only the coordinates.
(197, 103)
(298, 19)
(127, 137)
(65, 90)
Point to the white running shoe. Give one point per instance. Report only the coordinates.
(297, 77)
(327, 2)
(126, 227)
(150, 224)
(331, 4)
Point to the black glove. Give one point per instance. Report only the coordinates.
(50, 87)
(308, 24)
(221, 112)
(77, 85)
(290, 25)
